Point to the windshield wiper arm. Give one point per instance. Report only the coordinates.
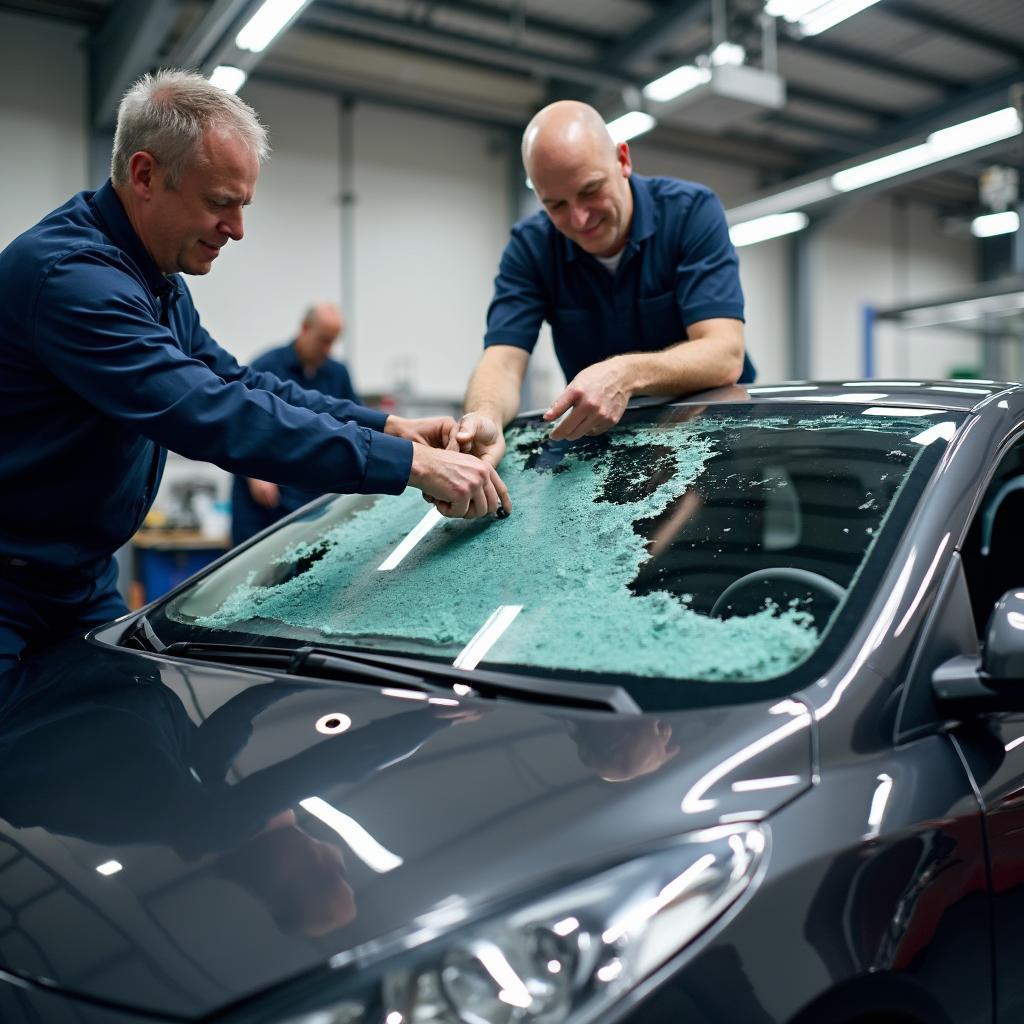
(409, 673)
(592, 696)
(301, 661)
(143, 637)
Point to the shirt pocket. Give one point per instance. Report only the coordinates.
(660, 322)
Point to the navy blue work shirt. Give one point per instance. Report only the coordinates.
(104, 365)
(678, 268)
(331, 379)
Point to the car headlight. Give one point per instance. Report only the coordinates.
(565, 957)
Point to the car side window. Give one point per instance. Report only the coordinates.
(993, 553)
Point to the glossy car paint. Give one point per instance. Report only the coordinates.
(876, 899)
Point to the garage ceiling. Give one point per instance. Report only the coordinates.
(898, 68)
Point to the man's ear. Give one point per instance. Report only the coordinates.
(624, 159)
(142, 173)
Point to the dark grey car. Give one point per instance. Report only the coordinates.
(721, 725)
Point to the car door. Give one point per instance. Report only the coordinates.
(993, 562)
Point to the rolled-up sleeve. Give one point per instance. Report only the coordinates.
(707, 275)
(96, 332)
(517, 308)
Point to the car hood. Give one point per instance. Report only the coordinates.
(175, 837)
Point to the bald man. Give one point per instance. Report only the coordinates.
(257, 504)
(636, 276)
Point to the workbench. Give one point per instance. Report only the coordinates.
(164, 558)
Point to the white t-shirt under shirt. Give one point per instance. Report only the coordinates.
(611, 263)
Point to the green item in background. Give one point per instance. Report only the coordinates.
(965, 373)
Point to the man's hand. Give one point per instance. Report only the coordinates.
(597, 397)
(461, 486)
(264, 493)
(480, 435)
(434, 431)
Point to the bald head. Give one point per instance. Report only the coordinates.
(321, 326)
(580, 175)
(564, 128)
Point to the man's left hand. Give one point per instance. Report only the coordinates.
(597, 397)
(434, 431)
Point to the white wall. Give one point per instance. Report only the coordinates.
(42, 119)
(878, 253)
(431, 215)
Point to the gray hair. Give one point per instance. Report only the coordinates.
(167, 113)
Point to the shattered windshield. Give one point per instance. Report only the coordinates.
(717, 543)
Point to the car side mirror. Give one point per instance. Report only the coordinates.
(1003, 660)
(997, 684)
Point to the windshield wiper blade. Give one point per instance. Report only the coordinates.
(410, 673)
(300, 661)
(554, 692)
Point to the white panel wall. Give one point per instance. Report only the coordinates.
(431, 215)
(42, 119)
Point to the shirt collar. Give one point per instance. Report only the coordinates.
(108, 204)
(643, 225)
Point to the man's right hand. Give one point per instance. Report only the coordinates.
(478, 434)
(265, 493)
(460, 485)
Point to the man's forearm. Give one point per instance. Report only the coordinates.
(689, 366)
(494, 391)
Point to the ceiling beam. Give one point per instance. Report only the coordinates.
(989, 96)
(643, 42)
(191, 51)
(815, 46)
(459, 45)
(918, 14)
(125, 46)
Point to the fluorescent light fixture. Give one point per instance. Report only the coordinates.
(630, 125)
(979, 131)
(228, 78)
(830, 14)
(814, 16)
(110, 867)
(415, 535)
(267, 22)
(995, 224)
(763, 228)
(791, 10)
(782, 202)
(675, 83)
(487, 636)
(947, 142)
(360, 842)
(731, 54)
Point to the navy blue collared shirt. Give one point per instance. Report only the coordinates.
(678, 268)
(104, 365)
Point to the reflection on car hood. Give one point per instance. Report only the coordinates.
(176, 837)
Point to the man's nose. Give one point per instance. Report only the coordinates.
(231, 225)
(580, 215)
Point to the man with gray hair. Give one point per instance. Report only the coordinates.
(104, 365)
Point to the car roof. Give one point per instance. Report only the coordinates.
(952, 395)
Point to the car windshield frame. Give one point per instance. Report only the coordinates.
(653, 692)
